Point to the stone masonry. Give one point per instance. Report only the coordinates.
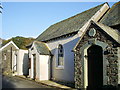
(110, 54)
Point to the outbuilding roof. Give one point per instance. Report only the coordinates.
(41, 48)
(70, 25)
(9, 45)
(112, 17)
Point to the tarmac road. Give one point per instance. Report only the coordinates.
(16, 82)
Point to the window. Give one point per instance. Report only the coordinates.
(60, 55)
(5, 57)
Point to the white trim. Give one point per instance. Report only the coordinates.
(11, 42)
(100, 12)
(60, 66)
(85, 71)
(118, 64)
(95, 18)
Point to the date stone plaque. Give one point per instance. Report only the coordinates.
(92, 32)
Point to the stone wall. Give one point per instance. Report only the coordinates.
(6, 63)
(110, 55)
(112, 67)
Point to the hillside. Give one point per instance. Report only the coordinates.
(21, 42)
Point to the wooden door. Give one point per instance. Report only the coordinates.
(95, 66)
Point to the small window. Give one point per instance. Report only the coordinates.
(5, 57)
(60, 55)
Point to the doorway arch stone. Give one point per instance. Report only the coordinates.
(83, 51)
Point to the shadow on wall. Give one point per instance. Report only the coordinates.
(25, 65)
(119, 37)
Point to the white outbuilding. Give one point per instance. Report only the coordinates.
(39, 57)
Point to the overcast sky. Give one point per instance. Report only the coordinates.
(30, 19)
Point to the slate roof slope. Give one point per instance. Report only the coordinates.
(41, 48)
(70, 25)
(112, 17)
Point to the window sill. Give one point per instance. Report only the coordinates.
(60, 67)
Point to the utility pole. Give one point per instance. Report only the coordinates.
(0, 24)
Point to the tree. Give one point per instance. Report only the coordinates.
(0, 8)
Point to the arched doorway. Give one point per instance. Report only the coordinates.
(95, 66)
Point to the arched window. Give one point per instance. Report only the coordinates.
(60, 55)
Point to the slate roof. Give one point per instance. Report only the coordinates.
(42, 48)
(112, 17)
(70, 25)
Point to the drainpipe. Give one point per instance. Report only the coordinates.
(51, 68)
(11, 58)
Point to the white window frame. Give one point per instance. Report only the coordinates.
(58, 65)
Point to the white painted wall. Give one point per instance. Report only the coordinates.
(66, 73)
(14, 61)
(22, 62)
(44, 67)
(31, 70)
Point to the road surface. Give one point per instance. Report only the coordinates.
(17, 82)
